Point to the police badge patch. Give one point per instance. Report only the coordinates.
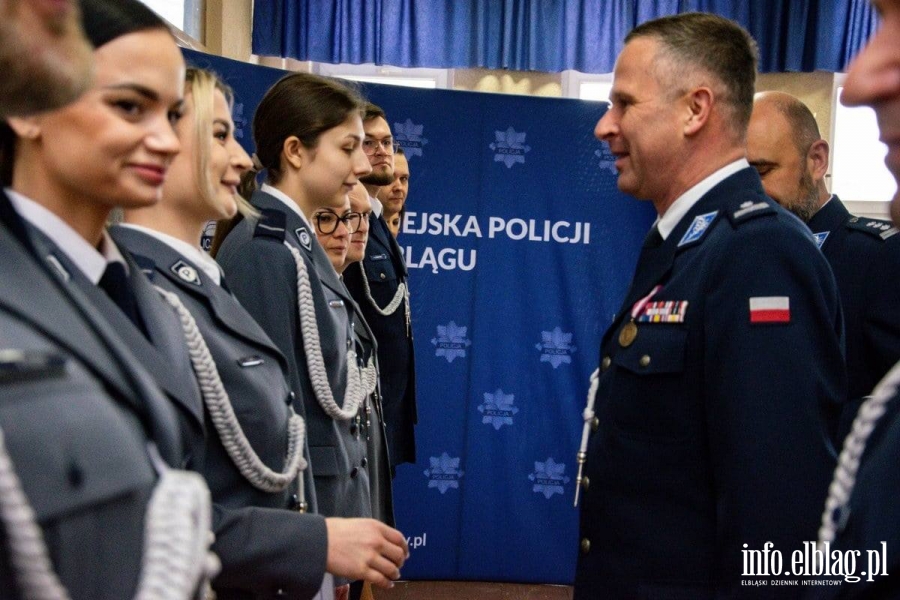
(698, 227)
(304, 238)
(186, 272)
(820, 238)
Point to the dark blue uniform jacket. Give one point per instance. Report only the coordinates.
(712, 429)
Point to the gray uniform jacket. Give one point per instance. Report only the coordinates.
(164, 354)
(268, 547)
(262, 274)
(76, 410)
(379, 462)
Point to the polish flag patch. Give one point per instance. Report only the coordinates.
(770, 309)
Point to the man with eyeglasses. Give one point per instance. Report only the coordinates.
(379, 286)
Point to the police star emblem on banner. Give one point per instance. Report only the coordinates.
(498, 409)
(240, 121)
(510, 147)
(451, 341)
(549, 478)
(556, 347)
(409, 136)
(444, 473)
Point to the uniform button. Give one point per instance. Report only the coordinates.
(76, 476)
(295, 502)
(365, 462)
(290, 398)
(586, 483)
(354, 471)
(606, 362)
(595, 424)
(382, 275)
(585, 545)
(645, 360)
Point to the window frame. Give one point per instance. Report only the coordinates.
(864, 208)
(443, 78)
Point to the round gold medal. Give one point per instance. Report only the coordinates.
(627, 334)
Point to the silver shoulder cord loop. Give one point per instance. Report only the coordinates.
(176, 562)
(401, 295)
(224, 419)
(588, 416)
(841, 488)
(358, 380)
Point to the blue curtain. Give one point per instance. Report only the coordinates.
(543, 35)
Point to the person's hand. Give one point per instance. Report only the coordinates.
(365, 549)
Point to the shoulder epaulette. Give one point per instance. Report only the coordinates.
(271, 223)
(874, 227)
(750, 209)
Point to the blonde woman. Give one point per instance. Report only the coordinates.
(255, 442)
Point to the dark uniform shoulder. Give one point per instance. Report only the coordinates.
(270, 224)
(742, 211)
(875, 228)
(759, 216)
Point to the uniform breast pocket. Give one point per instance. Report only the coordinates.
(91, 450)
(324, 460)
(380, 269)
(651, 395)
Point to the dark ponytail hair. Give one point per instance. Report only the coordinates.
(106, 20)
(300, 105)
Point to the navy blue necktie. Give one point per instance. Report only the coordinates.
(117, 286)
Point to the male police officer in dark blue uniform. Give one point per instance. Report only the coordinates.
(862, 511)
(784, 145)
(709, 432)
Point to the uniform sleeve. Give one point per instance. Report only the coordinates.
(265, 550)
(771, 388)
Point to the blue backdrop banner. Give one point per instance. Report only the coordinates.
(520, 249)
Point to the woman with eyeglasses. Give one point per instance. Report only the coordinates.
(255, 441)
(308, 135)
(343, 234)
(333, 230)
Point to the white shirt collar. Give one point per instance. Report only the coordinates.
(684, 203)
(198, 257)
(89, 260)
(377, 207)
(276, 193)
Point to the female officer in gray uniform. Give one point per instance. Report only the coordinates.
(87, 503)
(255, 442)
(308, 135)
(343, 234)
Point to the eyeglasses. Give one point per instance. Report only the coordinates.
(387, 145)
(327, 221)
